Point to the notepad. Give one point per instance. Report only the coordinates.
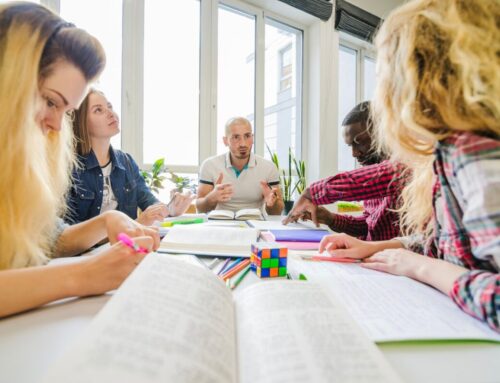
(171, 321)
(308, 235)
(240, 215)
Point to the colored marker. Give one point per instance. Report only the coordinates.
(182, 222)
(127, 241)
(302, 277)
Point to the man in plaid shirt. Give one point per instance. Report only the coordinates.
(378, 183)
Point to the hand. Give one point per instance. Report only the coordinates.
(221, 192)
(270, 194)
(396, 261)
(116, 222)
(180, 203)
(153, 213)
(345, 246)
(302, 206)
(107, 270)
(323, 215)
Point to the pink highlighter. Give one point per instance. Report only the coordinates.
(127, 241)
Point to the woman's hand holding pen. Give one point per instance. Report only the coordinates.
(107, 270)
(117, 222)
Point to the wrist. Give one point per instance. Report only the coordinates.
(383, 245)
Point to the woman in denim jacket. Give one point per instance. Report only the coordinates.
(109, 179)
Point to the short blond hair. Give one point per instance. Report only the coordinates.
(236, 121)
(438, 73)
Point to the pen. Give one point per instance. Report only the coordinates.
(240, 278)
(223, 266)
(236, 270)
(127, 241)
(329, 259)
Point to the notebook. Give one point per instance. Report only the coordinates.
(268, 237)
(305, 235)
(171, 321)
(240, 215)
(209, 240)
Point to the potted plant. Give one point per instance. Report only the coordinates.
(289, 182)
(155, 177)
(182, 183)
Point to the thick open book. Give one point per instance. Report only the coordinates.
(209, 240)
(176, 322)
(240, 215)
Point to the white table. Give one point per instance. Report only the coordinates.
(32, 341)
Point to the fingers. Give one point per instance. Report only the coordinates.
(153, 233)
(314, 216)
(219, 179)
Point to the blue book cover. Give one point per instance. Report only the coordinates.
(305, 235)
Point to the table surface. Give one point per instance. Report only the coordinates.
(30, 342)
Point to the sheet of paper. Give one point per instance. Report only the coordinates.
(297, 332)
(393, 308)
(169, 322)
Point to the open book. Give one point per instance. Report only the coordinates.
(209, 240)
(241, 215)
(176, 322)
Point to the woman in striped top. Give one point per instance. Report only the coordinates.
(437, 106)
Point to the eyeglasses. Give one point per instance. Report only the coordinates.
(237, 137)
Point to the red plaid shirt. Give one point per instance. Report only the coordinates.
(467, 221)
(378, 186)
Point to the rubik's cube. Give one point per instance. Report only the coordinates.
(268, 259)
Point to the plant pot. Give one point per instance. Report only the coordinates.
(288, 207)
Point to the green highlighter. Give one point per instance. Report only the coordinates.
(188, 221)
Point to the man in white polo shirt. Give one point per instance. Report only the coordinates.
(239, 179)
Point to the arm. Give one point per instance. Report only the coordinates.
(355, 226)
(210, 195)
(78, 238)
(373, 181)
(23, 289)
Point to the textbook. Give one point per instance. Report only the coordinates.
(172, 321)
(209, 240)
(240, 215)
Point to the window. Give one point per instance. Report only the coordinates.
(236, 68)
(356, 84)
(106, 25)
(171, 81)
(283, 90)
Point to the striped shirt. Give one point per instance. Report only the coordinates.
(378, 186)
(466, 207)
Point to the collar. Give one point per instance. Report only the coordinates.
(251, 161)
(90, 160)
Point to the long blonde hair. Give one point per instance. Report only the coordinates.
(438, 73)
(35, 167)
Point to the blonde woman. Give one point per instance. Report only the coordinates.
(108, 178)
(46, 67)
(438, 108)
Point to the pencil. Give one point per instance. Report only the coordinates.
(240, 278)
(232, 265)
(223, 266)
(236, 270)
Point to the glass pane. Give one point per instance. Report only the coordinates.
(347, 101)
(106, 25)
(369, 78)
(236, 68)
(171, 81)
(283, 90)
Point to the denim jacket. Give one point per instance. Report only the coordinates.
(129, 188)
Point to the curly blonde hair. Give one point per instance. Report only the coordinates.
(438, 74)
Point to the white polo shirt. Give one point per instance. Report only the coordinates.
(247, 192)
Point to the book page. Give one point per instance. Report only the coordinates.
(394, 308)
(246, 214)
(296, 332)
(169, 322)
(221, 214)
